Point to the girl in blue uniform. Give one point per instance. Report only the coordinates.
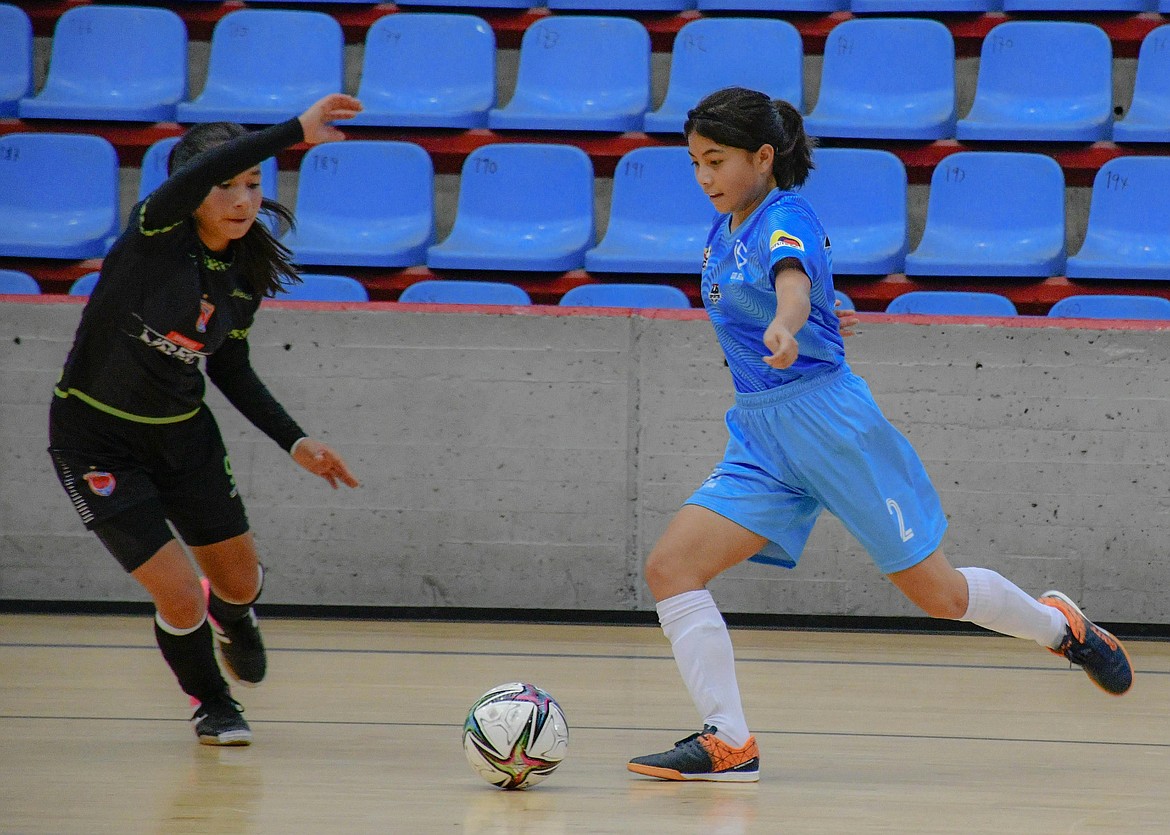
(805, 435)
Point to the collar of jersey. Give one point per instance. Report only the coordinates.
(216, 264)
(725, 227)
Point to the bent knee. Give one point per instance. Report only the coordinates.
(658, 572)
(667, 575)
(181, 609)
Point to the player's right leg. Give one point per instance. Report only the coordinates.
(696, 546)
(986, 598)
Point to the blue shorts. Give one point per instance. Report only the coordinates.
(824, 443)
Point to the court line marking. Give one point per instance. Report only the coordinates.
(617, 728)
(941, 665)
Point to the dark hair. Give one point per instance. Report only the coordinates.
(747, 119)
(265, 261)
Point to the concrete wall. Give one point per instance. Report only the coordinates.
(531, 460)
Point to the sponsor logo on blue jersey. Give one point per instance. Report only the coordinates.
(781, 238)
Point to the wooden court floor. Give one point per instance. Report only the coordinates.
(357, 730)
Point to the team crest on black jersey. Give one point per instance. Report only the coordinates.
(102, 484)
(206, 308)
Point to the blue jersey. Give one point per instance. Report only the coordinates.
(739, 290)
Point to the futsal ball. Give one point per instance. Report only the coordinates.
(515, 735)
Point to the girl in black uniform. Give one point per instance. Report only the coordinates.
(130, 437)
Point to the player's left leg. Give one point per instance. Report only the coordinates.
(203, 503)
(697, 545)
(235, 579)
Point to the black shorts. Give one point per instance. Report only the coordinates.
(176, 472)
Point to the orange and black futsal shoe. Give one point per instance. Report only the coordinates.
(702, 756)
(1097, 652)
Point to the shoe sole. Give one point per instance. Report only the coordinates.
(714, 777)
(1064, 598)
(230, 738)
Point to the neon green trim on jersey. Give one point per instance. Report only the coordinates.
(215, 263)
(142, 218)
(118, 413)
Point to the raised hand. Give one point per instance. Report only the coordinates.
(316, 121)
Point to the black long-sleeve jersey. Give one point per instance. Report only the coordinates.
(163, 303)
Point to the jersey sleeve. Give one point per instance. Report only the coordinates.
(181, 193)
(230, 368)
(790, 235)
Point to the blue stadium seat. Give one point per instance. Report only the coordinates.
(622, 6)
(705, 58)
(153, 169)
(952, 303)
(626, 295)
(659, 217)
(924, 6)
(472, 5)
(447, 291)
(1042, 80)
(864, 94)
(523, 206)
(84, 285)
(114, 63)
(1072, 6)
(364, 203)
(774, 5)
(58, 195)
(860, 195)
(580, 73)
(846, 302)
(1111, 307)
(16, 62)
(268, 65)
(428, 70)
(14, 281)
(1148, 118)
(316, 287)
(993, 214)
(1128, 234)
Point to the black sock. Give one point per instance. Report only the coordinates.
(225, 612)
(192, 659)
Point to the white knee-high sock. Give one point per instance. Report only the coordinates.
(702, 648)
(997, 604)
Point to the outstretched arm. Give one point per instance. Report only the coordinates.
(792, 309)
(185, 189)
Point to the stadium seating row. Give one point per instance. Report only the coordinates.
(340, 288)
(1037, 80)
(529, 207)
(968, 303)
(858, 6)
